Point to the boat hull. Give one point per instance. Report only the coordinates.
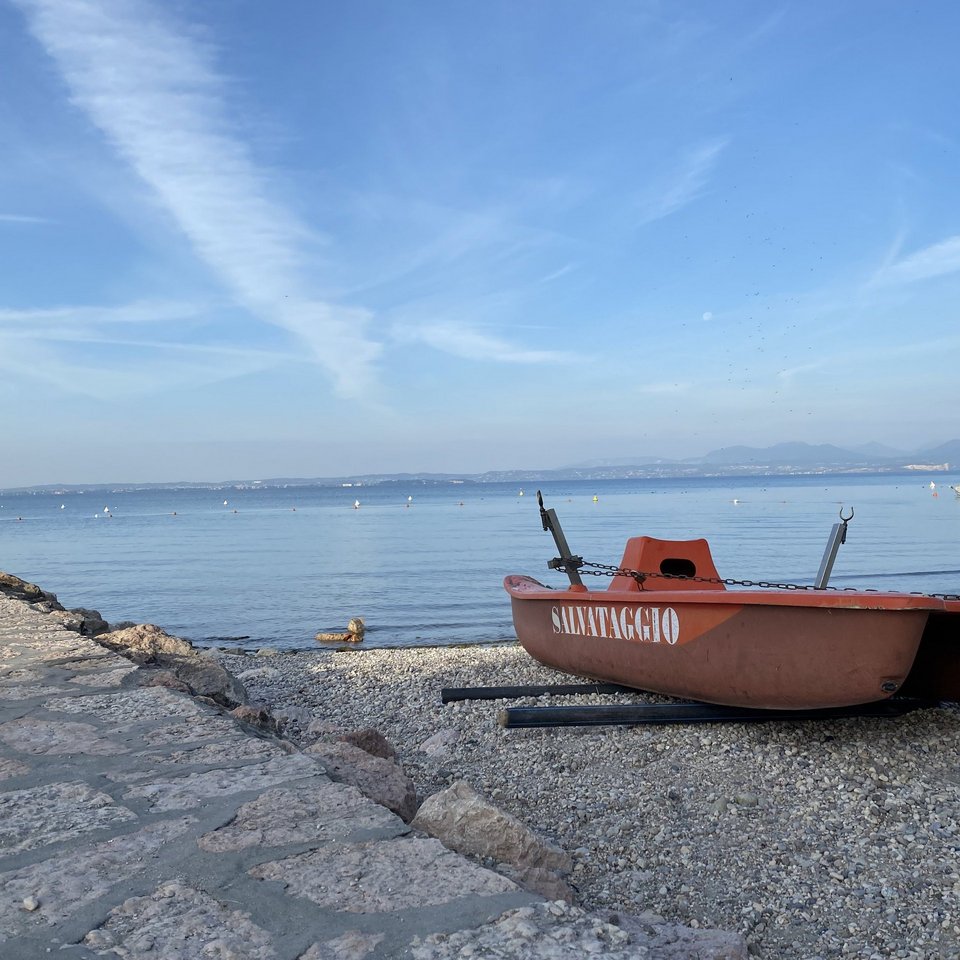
(764, 649)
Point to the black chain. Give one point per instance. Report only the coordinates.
(608, 570)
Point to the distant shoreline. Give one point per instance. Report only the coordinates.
(530, 477)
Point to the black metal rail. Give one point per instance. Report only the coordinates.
(663, 713)
(449, 694)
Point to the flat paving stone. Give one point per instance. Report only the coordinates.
(41, 648)
(128, 706)
(181, 793)
(55, 812)
(11, 676)
(533, 933)
(558, 931)
(57, 737)
(27, 691)
(382, 876)
(103, 660)
(183, 732)
(237, 749)
(315, 813)
(352, 945)
(111, 677)
(64, 884)
(12, 768)
(179, 922)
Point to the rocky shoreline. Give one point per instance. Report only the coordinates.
(810, 840)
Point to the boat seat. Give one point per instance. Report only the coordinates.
(688, 558)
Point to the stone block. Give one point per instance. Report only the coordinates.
(317, 812)
(177, 920)
(55, 812)
(466, 822)
(72, 880)
(381, 780)
(181, 793)
(382, 876)
(51, 737)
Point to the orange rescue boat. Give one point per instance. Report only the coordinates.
(667, 623)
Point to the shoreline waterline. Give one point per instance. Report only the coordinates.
(432, 572)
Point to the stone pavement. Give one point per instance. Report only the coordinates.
(140, 822)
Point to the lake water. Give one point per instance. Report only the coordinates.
(424, 563)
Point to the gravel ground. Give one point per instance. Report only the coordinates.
(814, 839)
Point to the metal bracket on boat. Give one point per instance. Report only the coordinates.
(838, 535)
(566, 562)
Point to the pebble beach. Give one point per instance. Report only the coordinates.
(813, 839)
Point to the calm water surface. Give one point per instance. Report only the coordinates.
(424, 563)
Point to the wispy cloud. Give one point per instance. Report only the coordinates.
(138, 312)
(75, 349)
(469, 343)
(150, 87)
(557, 274)
(441, 240)
(21, 218)
(936, 346)
(934, 261)
(159, 366)
(683, 185)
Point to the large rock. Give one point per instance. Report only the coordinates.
(66, 619)
(257, 715)
(159, 678)
(464, 821)
(87, 623)
(356, 628)
(195, 675)
(379, 779)
(91, 621)
(143, 641)
(11, 586)
(206, 678)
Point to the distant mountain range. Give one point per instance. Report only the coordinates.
(788, 458)
(781, 458)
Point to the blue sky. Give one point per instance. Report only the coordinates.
(244, 240)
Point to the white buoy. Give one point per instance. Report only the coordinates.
(356, 504)
(225, 502)
(63, 506)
